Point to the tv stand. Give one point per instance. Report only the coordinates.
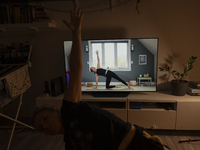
(110, 94)
(151, 110)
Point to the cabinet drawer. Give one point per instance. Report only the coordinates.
(188, 116)
(153, 118)
(121, 113)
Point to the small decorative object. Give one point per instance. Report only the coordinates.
(132, 82)
(142, 59)
(146, 75)
(179, 86)
(89, 84)
(132, 47)
(14, 53)
(140, 75)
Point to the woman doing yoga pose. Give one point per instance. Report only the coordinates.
(106, 73)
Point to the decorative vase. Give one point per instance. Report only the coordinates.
(179, 88)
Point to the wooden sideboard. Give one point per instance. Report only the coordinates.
(151, 110)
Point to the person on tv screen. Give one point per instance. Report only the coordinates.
(106, 73)
(86, 127)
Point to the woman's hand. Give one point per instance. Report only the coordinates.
(76, 20)
(97, 52)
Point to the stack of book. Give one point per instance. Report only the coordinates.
(41, 14)
(16, 13)
(194, 88)
(26, 12)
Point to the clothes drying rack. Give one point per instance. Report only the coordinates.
(20, 102)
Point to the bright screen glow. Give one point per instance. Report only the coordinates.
(133, 60)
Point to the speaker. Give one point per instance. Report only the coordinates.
(57, 86)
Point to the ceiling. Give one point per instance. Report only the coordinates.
(87, 5)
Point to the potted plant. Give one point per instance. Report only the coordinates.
(179, 85)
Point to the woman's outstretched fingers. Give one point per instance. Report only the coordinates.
(82, 13)
(76, 19)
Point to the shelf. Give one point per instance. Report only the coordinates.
(20, 1)
(6, 65)
(110, 105)
(33, 25)
(24, 29)
(152, 105)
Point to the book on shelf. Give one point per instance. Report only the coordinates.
(4, 18)
(41, 13)
(23, 13)
(8, 14)
(12, 13)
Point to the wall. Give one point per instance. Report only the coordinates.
(175, 23)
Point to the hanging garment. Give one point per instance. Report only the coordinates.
(18, 81)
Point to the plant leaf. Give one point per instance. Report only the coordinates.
(174, 71)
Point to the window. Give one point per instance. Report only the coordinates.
(113, 54)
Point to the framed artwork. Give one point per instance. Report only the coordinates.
(142, 59)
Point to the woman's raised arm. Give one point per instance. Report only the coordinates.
(73, 92)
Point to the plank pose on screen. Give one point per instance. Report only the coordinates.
(106, 73)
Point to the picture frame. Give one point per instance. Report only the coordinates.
(142, 59)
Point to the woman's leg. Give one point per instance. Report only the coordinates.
(144, 140)
(112, 74)
(108, 79)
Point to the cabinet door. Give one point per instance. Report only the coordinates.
(188, 116)
(153, 118)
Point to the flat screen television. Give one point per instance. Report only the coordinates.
(134, 60)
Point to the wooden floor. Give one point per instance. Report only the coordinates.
(27, 139)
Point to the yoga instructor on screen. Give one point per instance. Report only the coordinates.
(106, 73)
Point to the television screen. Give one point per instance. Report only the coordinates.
(122, 62)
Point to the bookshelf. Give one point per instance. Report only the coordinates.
(20, 1)
(34, 25)
(25, 15)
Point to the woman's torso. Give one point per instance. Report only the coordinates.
(87, 119)
(101, 72)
